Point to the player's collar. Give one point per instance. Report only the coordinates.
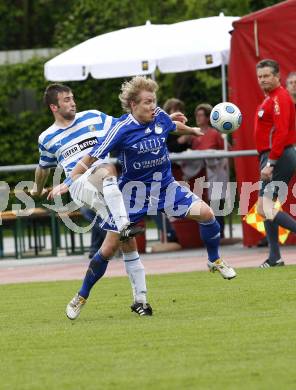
(134, 119)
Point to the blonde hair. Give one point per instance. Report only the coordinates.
(130, 90)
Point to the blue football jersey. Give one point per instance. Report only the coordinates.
(141, 146)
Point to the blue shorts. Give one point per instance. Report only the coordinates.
(143, 199)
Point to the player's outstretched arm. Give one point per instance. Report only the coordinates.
(81, 167)
(178, 116)
(182, 129)
(41, 176)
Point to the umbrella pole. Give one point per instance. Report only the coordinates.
(223, 76)
(224, 98)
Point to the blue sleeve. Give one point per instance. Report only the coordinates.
(171, 125)
(46, 159)
(111, 141)
(166, 120)
(114, 121)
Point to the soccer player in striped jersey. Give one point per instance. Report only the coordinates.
(147, 183)
(66, 141)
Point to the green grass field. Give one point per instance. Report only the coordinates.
(206, 333)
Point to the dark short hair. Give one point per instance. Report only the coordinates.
(51, 93)
(205, 107)
(275, 68)
(174, 105)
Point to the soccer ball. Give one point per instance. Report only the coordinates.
(226, 117)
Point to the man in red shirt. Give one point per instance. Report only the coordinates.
(275, 135)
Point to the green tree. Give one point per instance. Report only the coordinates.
(27, 24)
(19, 130)
(88, 18)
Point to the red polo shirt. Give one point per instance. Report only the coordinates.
(211, 140)
(275, 123)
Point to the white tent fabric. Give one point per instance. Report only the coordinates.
(121, 53)
(197, 44)
(190, 45)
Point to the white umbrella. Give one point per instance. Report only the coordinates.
(195, 44)
(127, 52)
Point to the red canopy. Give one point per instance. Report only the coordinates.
(269, 33)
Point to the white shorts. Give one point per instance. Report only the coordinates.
(84, 193)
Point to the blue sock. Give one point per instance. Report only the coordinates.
(96, 270)
(210, 234)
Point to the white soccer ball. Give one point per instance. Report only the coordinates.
(226, 117)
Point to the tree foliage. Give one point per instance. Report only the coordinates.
(89, 18)
(27, 24)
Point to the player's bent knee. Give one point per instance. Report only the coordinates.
(108, 250)
(102, 172)
(111, 169)
(207, 214)
(129, 246)
(200, 211)
(110, 245)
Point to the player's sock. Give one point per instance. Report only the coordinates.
(285, 220)
(96, 270)
(272, 232)
(113, 198)
(210, 234)
(136, 273)
(126, 256)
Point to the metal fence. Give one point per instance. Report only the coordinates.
(184, 156)
(175, 157)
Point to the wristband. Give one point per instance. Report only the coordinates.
(68, 181)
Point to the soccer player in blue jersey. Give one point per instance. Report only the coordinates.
(147, 183)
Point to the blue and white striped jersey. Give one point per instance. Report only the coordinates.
(66, 146)
(142, 147)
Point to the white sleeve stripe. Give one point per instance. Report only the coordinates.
(112, 131)
(158, 110)
(47, 154)
(47, 163)
(110, 137)
(108, 123)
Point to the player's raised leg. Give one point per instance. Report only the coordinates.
(88, 190)
(210, 234)
(105, 178)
